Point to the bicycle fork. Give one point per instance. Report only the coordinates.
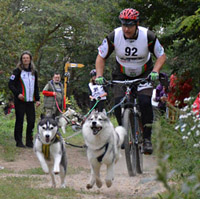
(136, 120)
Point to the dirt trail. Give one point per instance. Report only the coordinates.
(123, 187)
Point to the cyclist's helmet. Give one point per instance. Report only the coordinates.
(93, 73)
(129, 17)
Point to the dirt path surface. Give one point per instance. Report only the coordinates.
(138, 187)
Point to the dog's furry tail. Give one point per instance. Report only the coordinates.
(121, 131)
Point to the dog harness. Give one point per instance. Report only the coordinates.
(100, 158)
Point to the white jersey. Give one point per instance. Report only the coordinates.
(27, 83)
(131, 54)
(97, 91)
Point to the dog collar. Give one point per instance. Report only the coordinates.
(101, 156)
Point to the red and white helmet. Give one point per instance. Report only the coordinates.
(129, 16)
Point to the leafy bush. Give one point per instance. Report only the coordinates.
(178, 146)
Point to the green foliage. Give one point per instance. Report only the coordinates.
(178, 155)
(7, 136)
(64, 30)
(11, 34)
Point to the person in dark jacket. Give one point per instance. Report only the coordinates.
(24, 85)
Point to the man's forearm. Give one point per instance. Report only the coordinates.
(159, 63)
(100, 64)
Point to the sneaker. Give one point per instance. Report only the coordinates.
(147, 147)
(20, 144)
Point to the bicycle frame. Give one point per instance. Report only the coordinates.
(131, 121)
(133, 106)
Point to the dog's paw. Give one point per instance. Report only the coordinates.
(99, 183)
(45, 169)
(89, 186)
(108, 183)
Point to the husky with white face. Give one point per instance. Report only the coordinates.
(103, 143)
(50, 150)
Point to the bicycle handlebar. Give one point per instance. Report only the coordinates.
(128, 82)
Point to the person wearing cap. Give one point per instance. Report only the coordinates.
(96, 93)
(133, 46)
(24, 85)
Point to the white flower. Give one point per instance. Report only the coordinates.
(189, 133)
(177, 127)
(192, 129)
(184, 125)
(185, 137)
(182, 129)
(197, 133)
(196, 145)
(187, 99)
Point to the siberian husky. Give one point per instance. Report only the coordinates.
(103, 143)
(49, 147)
(70, 116)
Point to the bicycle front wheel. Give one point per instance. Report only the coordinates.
(129, 145)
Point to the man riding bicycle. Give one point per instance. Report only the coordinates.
(133, 46)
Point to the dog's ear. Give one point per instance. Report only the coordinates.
(93, 111)
(104, 111)
(42, 115)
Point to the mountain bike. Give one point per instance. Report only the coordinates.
(131, 120)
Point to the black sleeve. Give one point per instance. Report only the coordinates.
(14, 82)
(151, 40)
(110, 39)
(36, 92)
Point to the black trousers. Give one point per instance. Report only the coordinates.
(99, 106)
(146, 114)
(21, 109)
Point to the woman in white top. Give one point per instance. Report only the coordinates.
(96, 92)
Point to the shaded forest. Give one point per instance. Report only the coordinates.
(60, 31)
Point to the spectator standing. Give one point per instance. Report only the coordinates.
(24, 85)
(54, 99)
